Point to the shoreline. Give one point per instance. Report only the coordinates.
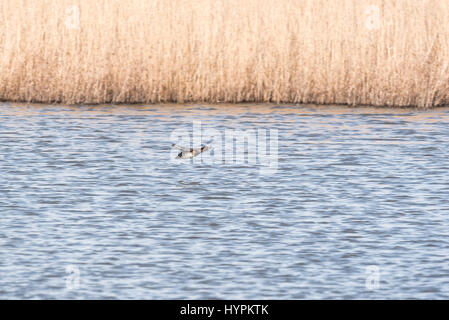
(231, 108)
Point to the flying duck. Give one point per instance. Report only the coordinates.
(188, 153)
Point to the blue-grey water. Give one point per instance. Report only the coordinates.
(93, 205)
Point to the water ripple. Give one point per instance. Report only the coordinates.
(94, 188)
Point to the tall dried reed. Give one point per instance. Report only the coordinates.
(377, 52)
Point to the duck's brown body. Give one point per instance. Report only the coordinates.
(190, 153)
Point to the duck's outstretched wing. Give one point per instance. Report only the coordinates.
(205, 148)
(181, 148)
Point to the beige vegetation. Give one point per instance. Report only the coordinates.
(376, 52)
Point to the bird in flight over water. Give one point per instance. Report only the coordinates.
(188, 153)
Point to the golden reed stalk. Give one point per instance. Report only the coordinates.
(374, 52)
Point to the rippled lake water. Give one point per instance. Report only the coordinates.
(93, 205)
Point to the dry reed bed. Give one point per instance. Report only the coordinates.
(296, 51)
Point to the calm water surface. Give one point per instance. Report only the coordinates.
(95, 190)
